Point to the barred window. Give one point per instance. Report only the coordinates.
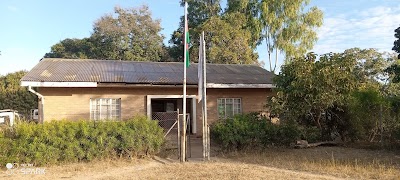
(228, 107)
(105, 109)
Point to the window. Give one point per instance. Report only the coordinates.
(105, 108)
(228, 107)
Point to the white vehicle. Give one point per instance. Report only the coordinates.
(35, 114)
(8, 116)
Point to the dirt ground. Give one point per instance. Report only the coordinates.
(274, 163)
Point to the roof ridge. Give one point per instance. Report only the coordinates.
(112, 60)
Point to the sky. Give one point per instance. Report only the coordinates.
(28, 29)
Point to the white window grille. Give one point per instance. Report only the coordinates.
(229, 107)
(105, 109)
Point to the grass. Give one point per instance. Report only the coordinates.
(336, 161)
(273, 163)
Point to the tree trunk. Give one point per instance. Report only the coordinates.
(269, 55)
(276, 59)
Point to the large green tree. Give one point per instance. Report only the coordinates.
(349, 93)
(73, 49)
(249, 8)
(307, 87)
(14, 96)
(128, 34)
(227, 42)
(199, 11)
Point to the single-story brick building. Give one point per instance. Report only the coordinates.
(106, 89)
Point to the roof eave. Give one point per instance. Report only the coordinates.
(58, 84)
(95, 84)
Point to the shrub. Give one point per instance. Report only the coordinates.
(74, 141)
(311, 133)
(251, 130)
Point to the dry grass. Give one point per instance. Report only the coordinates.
(150, 169)
(336, 161)
(315, 163)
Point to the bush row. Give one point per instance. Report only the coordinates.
(254, 131)
(73, 141)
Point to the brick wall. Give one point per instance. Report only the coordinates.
(74, 103)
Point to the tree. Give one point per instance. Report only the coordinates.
(394, 71)
(348, 93)
(199, 11)
(228, 40)
(308, 89)
(228, 44)
(129, 34)
(396, 43)
(287, 28)
(371, 64)
(72, 49)
(395, 68)
(14, 96)
(249, 8)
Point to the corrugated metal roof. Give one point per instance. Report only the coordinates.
(112, 71)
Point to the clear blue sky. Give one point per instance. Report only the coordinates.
(29, 28)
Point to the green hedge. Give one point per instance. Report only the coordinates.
(74, 141)
(251, 130)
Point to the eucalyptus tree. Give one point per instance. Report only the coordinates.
(288, 26)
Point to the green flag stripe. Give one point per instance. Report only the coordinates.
(187, 49)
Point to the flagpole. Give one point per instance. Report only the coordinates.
(183, 138)
(201, 94)
(205, 97)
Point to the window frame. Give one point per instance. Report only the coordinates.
(237, 108)
(96, 114)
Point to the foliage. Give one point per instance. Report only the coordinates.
(198, 12)
(347, 94)
(307, 88)
(228, 40)
(287, 28)
(395, 68)
(365, 114)
(394, 71)
(396, 44)
(229, 44)
(251, 130)
(69, 141)
(72, 49)
(249, 9)
(283, 24)
(370, 64)
(13, 96)
(129, 34)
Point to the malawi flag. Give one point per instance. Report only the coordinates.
(187, 39)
